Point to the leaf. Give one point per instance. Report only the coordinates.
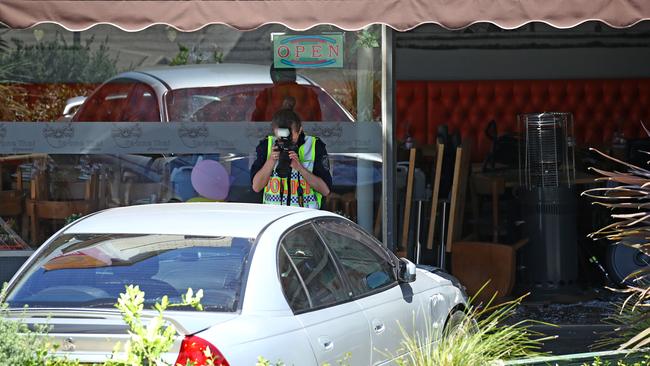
(637, 338)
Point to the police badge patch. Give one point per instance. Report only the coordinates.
(326, 162)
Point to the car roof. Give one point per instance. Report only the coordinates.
(212, 75)
(244, 220)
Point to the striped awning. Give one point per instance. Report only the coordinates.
(190, 15)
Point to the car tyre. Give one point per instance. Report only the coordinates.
(457, 321)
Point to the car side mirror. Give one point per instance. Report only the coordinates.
(72, 105)
(405, 271)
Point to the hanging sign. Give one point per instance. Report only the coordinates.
(308, 51)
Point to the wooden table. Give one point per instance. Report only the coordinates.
(494, 183)
(510, 177)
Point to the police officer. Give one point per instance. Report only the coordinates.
(308, 179)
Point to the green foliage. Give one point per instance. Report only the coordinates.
(57, 61)
(629, 200)
(36, 80)
(627, 322)
(197, 55)
(598, 362)
(146, 346)
(149, 342)
(20, 346)
(72, 218)
(367, 38)
(261, 361)
(481, 337)
(181, 57)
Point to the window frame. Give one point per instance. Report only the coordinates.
(384, 254)
(281, 250)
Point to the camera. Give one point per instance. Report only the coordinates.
(284, 145)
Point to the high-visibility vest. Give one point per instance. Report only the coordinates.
(276, 191)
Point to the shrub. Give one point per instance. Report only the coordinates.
(598, 362)
(197, 54)
(148, 342)
(481, 337)
(36, 80)
(21, 346)
(57, 61)
(629, 201)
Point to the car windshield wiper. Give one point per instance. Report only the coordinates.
(99, 303)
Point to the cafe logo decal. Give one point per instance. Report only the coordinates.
(329, 134)
(308, 51)
(257, 131)
(126, 137)
(58, 136)
(193, 136)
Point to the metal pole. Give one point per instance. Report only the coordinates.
(365, 76)
(388, 136)
(418, 245)
(443, 237)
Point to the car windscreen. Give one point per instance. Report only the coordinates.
(237, 103)
(91, 270)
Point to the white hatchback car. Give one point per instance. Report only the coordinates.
(306, 287)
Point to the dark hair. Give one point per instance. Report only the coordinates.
(283, 74)
(285, 117)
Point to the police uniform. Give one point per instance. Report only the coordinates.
(295, 191)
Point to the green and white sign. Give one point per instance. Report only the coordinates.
(308, 51)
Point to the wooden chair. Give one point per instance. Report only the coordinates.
(40, 207)
(435, 193)
(475, 263)
(12, 201)
(342, 203)
(458, 194)
(494, 187)
(403, 248)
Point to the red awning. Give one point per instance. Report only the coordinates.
(189, 15)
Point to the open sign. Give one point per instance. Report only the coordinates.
(308, 51)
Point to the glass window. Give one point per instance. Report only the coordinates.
(304, 258)
(91, 270)
(142, 105)
(292, 284)
(191, 79)
(233, 103)
(361, 258)
(108, 104)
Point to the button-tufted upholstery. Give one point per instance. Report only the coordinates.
(599, 107)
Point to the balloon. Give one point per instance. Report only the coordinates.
(211, 180)
(200, 199)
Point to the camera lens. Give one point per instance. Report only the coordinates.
(284, 164)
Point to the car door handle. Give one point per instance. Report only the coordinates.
(326, 343)
(378, 326)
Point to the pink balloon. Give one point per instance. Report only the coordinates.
(211, 180)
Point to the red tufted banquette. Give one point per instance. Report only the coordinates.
(599, 107)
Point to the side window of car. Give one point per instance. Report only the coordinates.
(108, 103)
(307, 271)
(363, 262)
(142, 105)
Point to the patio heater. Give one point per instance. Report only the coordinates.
(547, 178)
